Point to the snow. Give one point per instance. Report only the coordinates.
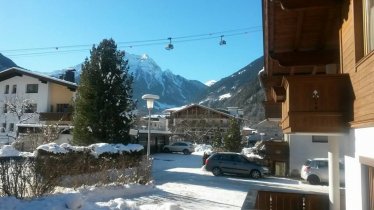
(224, 96)
(9, 151)
(96, 149)
(180, 182)
(203, 148)
(210, 82)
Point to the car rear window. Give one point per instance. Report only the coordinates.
(307, 163)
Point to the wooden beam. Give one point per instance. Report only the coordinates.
(308, 4)
(306, 58)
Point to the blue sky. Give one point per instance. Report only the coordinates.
(81, 23)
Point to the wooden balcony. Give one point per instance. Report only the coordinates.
(55, 116)
(273, 110)
(317, 104)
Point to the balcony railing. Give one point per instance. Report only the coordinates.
(55, 116)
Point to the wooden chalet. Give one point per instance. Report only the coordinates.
(319, 79)
(198, 122)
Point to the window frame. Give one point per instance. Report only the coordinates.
(6, 91)
(368, 28)
(320, 139)
(3, 127)
(5, 108)
(14, 89)
(11, 127)
(29, 88)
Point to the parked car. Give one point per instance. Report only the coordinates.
(234, 163)
(316, 171)
(185, 147)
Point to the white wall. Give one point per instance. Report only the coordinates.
(302, 148)
(355, 172)
(40, 98)
(21, 82)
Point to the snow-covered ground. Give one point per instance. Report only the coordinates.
(179, 183)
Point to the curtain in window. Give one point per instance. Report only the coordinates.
(370, 25)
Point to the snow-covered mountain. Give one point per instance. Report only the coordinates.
(210, 83)
(149, 78)
(174, 90)
(241, 89)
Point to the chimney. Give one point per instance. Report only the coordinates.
(70, 75)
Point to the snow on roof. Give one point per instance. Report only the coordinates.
(177, 109)
(96, 149)
(9, 151)
(38, 75)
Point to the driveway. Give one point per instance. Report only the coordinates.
(180, 179)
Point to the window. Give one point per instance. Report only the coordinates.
(32, 88)
(11, 127)
(6, 89)
(31, 108)
(369, 25)
(319, 139)
(5, 110)
(3, 127)
(62, 107)
(14, 89)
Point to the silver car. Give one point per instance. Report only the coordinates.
(316, 171)
(185, 147)
(234, 163)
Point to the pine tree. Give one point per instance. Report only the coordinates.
(232, 139)
(217, 140)
(104, 97)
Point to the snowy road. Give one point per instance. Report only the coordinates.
(179, 183)
(179, 179)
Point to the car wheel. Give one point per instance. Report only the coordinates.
(167, 150)
(186, 152)
(313, 180)
(255, 174)
(216, 171)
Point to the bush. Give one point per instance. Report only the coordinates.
(24, 177)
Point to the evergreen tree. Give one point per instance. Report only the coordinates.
(232, 139)
(104, 97)
(217, 140)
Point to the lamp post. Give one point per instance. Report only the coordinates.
(150, 99)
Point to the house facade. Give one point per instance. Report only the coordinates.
(198, 123)
(318, 79)
(29, 100)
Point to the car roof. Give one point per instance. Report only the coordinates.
(319, 159)
(228, 153)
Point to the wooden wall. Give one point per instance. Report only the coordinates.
(357, 64)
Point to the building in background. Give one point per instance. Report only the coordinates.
(198, 123)
(30, 101)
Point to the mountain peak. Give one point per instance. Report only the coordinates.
(6, 63)
(210, 82)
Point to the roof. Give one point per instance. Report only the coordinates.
(179, 109)
(16, 71)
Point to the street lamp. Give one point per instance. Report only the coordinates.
(150, 99)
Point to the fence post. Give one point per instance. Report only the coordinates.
(304, 208)
(271, 203)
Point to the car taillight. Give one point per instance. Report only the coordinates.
(206, 161)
